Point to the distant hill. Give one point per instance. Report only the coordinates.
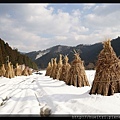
(88, 53)
(14, 56)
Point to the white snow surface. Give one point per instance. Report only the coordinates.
(42, 53)
(28, 94)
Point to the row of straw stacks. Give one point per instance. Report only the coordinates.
(7, 70)
(107, 77)
(71, 74)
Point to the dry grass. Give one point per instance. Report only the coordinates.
(58, 69)
(65, 69)
(48, 69)
(77, 75)
(107, 77)
(53, 68)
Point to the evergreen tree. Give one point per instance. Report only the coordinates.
(14, 56)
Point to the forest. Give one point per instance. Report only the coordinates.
(14, 56)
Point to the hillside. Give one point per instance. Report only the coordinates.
(88, 53)
(14, 56)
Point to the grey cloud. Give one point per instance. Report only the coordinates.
(106, 9)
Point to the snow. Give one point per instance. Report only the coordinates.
(41, 53)
(34, 93)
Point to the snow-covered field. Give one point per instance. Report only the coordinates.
(29, 94)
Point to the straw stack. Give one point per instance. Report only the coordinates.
(12, 71)
(107, 77)
(77, 75)
(65, 69)
(51, 63)
(8, 72)
(53, 68)
(48, 69)
(25, 71)
(2, 70)
(17, 70)
(58, 69)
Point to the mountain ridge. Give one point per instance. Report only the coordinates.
(88, 53)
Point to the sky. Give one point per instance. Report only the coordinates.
(38, 26)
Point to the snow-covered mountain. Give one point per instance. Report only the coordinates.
(34, 55)
(45, 55)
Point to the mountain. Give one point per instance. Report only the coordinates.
(88, 53)
(14, 56)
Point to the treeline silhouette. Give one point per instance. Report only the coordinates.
(14, 56)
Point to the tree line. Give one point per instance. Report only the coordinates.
(14, 56)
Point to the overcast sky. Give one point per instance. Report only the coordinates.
(32, 27)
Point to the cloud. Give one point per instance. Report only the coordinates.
(106, 9)
(30, 27)
(105, 15)
(88, 6)
(104, 21)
